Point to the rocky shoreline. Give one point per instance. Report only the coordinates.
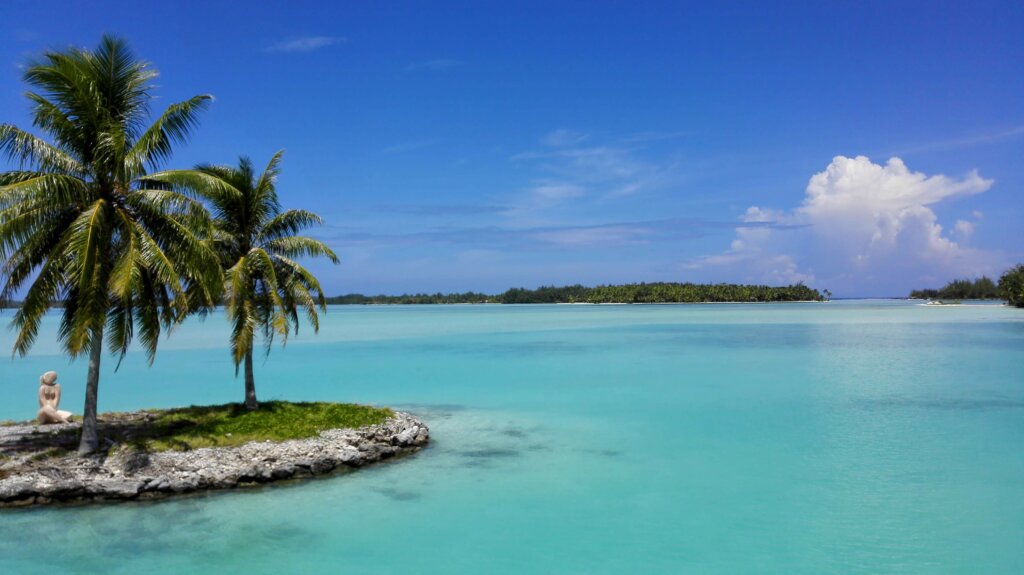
(31, 475)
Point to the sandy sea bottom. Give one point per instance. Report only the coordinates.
(849, 437)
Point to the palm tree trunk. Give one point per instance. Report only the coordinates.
(90, 439)
(250, 384)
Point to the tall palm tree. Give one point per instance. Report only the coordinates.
(264, 287)
(81, 219)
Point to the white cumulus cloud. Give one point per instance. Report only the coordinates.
(964, 229)
(862, 228)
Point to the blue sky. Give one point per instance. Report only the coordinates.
(485, 145)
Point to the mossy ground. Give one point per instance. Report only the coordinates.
(186, 428)
(231, 424)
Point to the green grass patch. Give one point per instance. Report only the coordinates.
(229, 425)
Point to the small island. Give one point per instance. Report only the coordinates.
(154, 454)
(982, 288)
(1010, 289)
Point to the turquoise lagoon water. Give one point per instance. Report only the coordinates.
(848, 437)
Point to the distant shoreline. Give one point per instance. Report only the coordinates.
(495, 303)
(929, 304)
(638, 293)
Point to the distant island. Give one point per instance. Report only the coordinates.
(981, 288)
(1009, 289)
(659, 292)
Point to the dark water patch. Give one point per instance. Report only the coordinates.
(396, 494)
(510, 345)
(609, 453)
(515, 432)
(448, 407)
(475, 464)
(536, 347)
(952, 404)
(431, 410)
(489, 453)
(282, 534)
(912, 337)
(488, 346)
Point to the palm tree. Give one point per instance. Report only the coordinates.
(81, 224)
(1011, 286)
(264, 286)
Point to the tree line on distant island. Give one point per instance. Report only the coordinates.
(658, 292)
(1010, 289)
(419, 298)
(981, 288)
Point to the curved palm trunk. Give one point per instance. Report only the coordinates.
(250, 384)
(90, 439)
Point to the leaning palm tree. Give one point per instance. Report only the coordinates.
(264, 285)
(79, 222)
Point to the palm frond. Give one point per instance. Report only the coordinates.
(288, 223)
(261, 263)
(65, 131)
(64, 78)
(300, 295)
(300, 275)
(265, 198)
(22, 228)
(84, 240)
(177, 204)
(159, 265)
(124, 83)
(126, 275)
(200, 182)
(300, 246)
(45, 290)
(54, 189)
(120, 327)
(185, 235)
(29, 151)
(173, 127)
(239, 309)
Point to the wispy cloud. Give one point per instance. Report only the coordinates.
(645, 137)
(409, 146)
(444, 209)
(610, 171)
(434, 65)
(965, 142)
(595, 236)
(556, 192)
(563, 137)
(304, 44)
(540, 237)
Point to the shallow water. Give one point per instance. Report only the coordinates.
(849, 437)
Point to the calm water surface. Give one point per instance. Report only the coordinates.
(849, 437)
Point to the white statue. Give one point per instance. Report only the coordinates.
(49, 400)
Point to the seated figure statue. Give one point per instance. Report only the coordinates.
(49, 400)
